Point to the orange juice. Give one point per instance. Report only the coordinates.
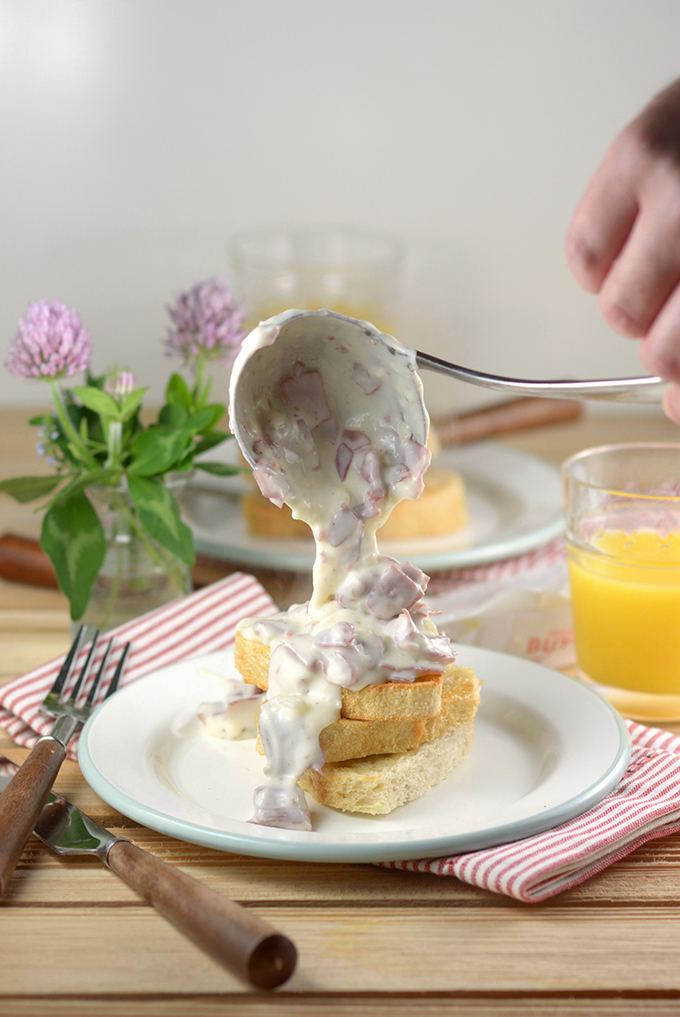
(626, 605)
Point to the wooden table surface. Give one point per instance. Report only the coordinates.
(75, 940)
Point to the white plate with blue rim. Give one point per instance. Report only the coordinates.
(514, 500)
(546, 749)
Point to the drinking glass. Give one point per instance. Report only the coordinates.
(622, 506)
(354, 272)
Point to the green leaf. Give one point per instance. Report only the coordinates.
(187, 463)
(132, 402)
(177, 393)
(220, 469)
(155, 450)
(100, 402)
(87, 479)
(203, 420)
(29, 488)
(209, 439)
(131, 428)
(172, 415)
(42, 421)
(160, 447)
(159, 515)
(73, 538)
(217, 410)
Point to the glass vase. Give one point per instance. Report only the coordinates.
(138, 574)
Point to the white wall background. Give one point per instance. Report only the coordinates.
(138, 135)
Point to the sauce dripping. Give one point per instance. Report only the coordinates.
(329, 412)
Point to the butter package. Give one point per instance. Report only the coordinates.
(520, 607)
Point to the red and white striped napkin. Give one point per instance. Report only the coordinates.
(554, 553)
(203, 622)
(646, 804)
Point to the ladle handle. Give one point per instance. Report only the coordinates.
(639, 390)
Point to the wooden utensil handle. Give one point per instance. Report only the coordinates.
(504, 418)
(23, 561)
(22, 800)
(231, 935)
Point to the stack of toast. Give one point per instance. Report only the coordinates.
(392, 743)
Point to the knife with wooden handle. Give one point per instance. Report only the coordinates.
(504, 418)
(230, 934)
(22, 560)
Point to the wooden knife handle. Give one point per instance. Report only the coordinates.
(22, 801)
(504, 418)
(234, 937)
(24, 561)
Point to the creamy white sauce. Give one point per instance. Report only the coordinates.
(330, 414)
(235, 716)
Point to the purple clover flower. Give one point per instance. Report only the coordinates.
(207, 320)
(51, 343)
(119, 385)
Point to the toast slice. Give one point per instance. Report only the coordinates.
(378, 784)
(417, 700)
(441, 509)
(355, 739)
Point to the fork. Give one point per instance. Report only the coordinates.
(24, 797)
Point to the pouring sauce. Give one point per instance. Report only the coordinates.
(330, 414)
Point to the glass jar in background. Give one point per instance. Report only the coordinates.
(353, 272)
(622, 506)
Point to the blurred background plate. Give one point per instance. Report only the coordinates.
(514, 500)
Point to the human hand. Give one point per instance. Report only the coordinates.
(624, 238)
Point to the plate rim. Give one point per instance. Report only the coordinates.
(310, 851)
(490, 550)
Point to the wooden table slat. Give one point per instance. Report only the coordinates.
(289, 1004)
(368, 949)
(650, 876)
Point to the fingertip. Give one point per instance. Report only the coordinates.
(584, 263)
(671, 403)
(603, 219)
(658, 357)
(618, 318)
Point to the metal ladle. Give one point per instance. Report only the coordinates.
(639, 390)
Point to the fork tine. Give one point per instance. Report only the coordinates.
(67, 667)
(75, 691)
(119, 671)
(96, 684)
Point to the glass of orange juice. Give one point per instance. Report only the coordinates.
(622, 507)
(354, 272)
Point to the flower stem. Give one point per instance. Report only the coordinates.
(114, 440)
(69, 429)
(115, 589)
(201, 384)
(200, 372)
